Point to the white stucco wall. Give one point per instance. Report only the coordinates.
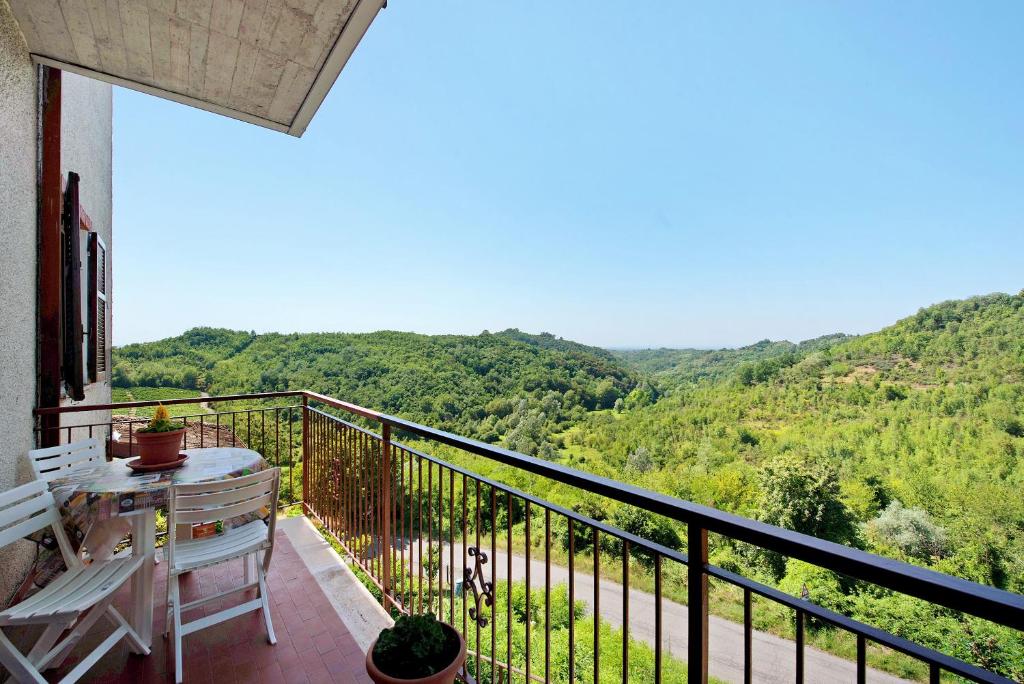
(86, 148)
(17, 269)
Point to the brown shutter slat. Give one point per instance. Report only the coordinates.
(72, 367)
(97, 357)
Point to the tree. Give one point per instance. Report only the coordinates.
(803, 496)
(605, 394)
(910, 530)
(639, 461)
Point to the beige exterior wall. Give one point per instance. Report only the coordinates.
(86, 148)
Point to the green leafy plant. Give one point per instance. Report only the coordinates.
(161, 421)
(417, 646)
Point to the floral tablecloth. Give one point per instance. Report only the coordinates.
(94, 499)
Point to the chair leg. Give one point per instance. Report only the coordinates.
(133, 637)
(271, 637)
(18, 665)
(176, 597)
(167, 603)
(46, 641)
(55, 657)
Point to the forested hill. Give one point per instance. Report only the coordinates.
(678, 366)
(908, 442)
(451, 381)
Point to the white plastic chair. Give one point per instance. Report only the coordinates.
(83, 594)
(220, 501)
(53, 462)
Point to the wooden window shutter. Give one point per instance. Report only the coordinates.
(71, 261)
(98, 308)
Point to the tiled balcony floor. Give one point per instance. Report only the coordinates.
(313, 645)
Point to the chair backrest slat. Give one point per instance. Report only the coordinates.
(223, 500)
(25, 491)
(28, 509)
(54, 462)
(13, 533)
(204, 515)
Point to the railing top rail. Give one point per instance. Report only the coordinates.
(986, 602)
(76, 408)
(990, 603)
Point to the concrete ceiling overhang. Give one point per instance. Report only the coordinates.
(267, 62)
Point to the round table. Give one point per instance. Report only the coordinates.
(97, 496)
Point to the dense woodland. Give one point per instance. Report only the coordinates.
(907, 442)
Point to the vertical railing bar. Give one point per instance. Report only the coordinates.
(408, 501)
(494, 577)
(861, 659)
(419, 524)
(277, 435)
(934, 673)
(697, 603)
(440, 543)
(451, 544)
(529, 612)
(657, 618)
(291, 451)
(305, 454)
(572, 600)
(508, 581)
(465, 541)
(799, 646)
(430, 537)
(338, 462)
(233, 434)
(407, 508)
(478, 549)
(625, 611)
(400, 501)
(597, 607)
(352, 471)
(361, 494)
(748, 638)
(216, 426)
(547, 594)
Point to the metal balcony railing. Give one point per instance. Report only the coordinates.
(427, 533)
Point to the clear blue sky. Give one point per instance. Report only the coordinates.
(678, 174)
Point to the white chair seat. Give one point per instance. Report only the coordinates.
(74, 601)
(193, 554)
(74, 592)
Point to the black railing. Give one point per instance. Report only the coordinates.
(403, 516)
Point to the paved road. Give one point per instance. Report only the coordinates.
(774, 657)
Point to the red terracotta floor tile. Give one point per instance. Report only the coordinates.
(313, 644)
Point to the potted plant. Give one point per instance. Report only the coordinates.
(419, 648)
(160, 441)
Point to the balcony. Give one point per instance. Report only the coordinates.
(540, 592)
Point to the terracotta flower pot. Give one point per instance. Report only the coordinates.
(445, 676)
(159, 447)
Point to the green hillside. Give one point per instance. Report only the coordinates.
(907, 442)
(462, 383)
